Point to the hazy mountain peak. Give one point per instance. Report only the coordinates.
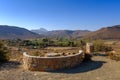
(43, 29)
(40, 30)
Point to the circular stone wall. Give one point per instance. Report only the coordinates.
(37, 63)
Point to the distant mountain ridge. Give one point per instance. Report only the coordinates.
(62, 33)
(13, 32)
(112, 32)
(68, 33)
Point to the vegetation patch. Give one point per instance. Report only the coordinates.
(114, 56)
(3, 53)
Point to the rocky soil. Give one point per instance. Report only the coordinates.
(100, 68)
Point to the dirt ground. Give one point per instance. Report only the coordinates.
(100, 68)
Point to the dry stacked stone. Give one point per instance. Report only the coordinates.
(36, 63)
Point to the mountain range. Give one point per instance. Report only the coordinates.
(61, 33)
(67, 33)
(13, 32)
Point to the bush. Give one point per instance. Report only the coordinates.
(100, 46)
(3, 53)
(114, 56)
(36, 53)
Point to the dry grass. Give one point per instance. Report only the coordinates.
(42, 52)
(115, 44)
(115, 55)
(16, 54)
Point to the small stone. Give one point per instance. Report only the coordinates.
(97, 78)
(35, 74)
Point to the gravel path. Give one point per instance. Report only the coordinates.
(101, 68)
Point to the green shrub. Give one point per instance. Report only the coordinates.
(3, 53)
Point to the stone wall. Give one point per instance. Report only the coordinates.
(36, 63)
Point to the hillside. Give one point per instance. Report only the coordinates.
(65, 33)
(12, 32)
(112, 32)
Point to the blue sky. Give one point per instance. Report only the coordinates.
(60, 14)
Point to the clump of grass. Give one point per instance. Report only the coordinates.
(45, 51)
(73, 53)
(36, 53)
(63, 53)
(114, 56)
(56, 51)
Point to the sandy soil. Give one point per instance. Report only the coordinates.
(101, 68)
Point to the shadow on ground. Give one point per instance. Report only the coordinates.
(83, 67)
(10, 65)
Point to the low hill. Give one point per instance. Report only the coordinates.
(61, 33)
(112, 32)
(67, 33)
(13, 32)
